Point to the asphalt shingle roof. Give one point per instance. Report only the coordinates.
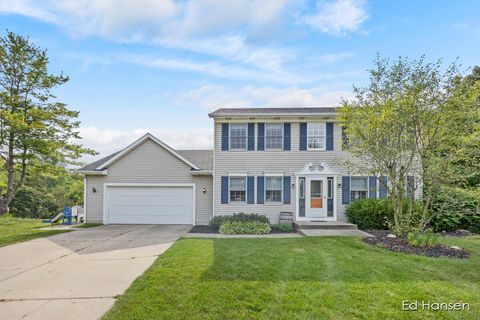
(93, 165)
(257, 111)
(202, 158)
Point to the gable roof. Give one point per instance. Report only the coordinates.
(202, 158)
(196, 159)
(223, 112)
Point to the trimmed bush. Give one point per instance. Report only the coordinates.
(217, 221)
(455, 208)
(374, 214)
(244, 227)
(282, 227)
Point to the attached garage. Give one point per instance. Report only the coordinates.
(148, 182)
(149, 204)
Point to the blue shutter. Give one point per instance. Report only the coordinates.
(250, 190)
(286, 190)
(261, 136)
(303, 136)
(410, 186)
(286, 136)
(224, 187)
(372, 187)
(251, 136)
(345, 190)
(260, 189)
(383, 192)
(329, 135)
(224, 136)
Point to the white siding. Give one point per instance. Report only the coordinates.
(149, 163)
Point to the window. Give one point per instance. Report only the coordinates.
(238, 136)
(273, 189)
(330, 188)
(274, 136)
(316, 136)
(358, 188)
(301, 188)
(238, 186)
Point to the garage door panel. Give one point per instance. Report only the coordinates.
(150, 205)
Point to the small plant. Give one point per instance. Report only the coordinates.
(245, 227)
(282, 227)
(422, 239)
(217, 221)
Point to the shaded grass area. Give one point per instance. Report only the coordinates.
(299, 278)
(13, 230)
(88, 225)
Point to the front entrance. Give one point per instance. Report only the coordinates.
(316, 193)
(316, 200)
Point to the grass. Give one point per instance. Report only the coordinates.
(88, 225)
(13, 230)
(299, 278)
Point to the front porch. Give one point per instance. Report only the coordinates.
(315, 224)
(328, 228)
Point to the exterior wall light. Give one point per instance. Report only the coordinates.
(204, 190)
(94, 190)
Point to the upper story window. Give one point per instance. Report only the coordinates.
(274, 136)
(358, 188)
(316, 136)
(273, 189)
(238, 136)
(238, 189)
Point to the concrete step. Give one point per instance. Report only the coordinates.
(336, 225)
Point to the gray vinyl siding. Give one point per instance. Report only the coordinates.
(257, 163)
(149, 163)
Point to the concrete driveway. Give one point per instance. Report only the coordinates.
(78, 275)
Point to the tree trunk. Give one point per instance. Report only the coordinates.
(8, 197)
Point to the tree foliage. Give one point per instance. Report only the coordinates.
(34, 128)
(409, 121)
(47, 189)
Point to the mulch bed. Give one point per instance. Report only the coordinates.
(458, 233)
(401, 245)
(202, 229)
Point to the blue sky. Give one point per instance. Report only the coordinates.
(162, 65)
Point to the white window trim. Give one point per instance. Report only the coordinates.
(368, 186)
(265, 189)
(324, 138)
(230, 189)
(230, 137)
(265, 137)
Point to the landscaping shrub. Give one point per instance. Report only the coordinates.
(455, 208)
(372, 214)
(282, 227)
(422, 239)
(217, 221)
(244, 227)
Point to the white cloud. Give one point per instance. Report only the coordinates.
(337, 16)
(213, 27)
(211, 96)
(106, 141)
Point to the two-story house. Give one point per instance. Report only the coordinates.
(265, 161)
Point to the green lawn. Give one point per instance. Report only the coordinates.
(14, 230)
(299, 278)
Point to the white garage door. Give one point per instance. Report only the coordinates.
(149, 204)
